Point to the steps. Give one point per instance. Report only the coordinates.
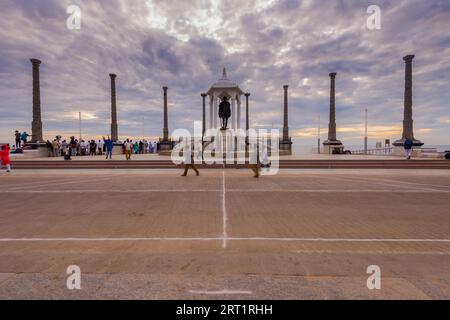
(284, 164)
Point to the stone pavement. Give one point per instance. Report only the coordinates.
(302, 234)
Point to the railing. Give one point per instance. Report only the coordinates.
(377, 151)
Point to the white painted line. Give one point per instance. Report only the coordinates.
(338, 190)
(230, 190)
(336, 239)
(222, 239)
(111, 191)
(59, 183)
(224, 212)
(220, 292)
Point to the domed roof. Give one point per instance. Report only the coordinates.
(225, 83)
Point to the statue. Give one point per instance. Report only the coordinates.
(224, 112)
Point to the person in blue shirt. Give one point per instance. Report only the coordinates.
(24, 137)
(408, 145)
(109, 147)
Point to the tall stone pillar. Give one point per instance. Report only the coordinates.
(286, 142)
(166, 117)
(36, 124)
(114, 128)
(204, 115)
(247, 121)
(211, 111)
(408, 131)
(233, 113)
(238, 112)
(332, 144)
(165, 144)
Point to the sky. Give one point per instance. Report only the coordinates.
(263, 44)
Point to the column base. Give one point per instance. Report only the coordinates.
(333, 147)
(401, 142)
(165, 148)
(285, 147)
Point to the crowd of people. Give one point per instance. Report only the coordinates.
(60, 147)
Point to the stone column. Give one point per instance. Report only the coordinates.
(285, 119)
(408, 131)
(114, 129)
(247, 121)
(204, 114)
(332, 140)
(286, 143)
(238, 113)
(215, 113)
(211, 111)
(166, 117)
(233, 113)
(332, 121)
(36, 124)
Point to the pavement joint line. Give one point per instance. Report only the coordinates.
(232, 190)
(374, 181)
(224, 212)
(61, 183)
(220, 292)
(287, 239)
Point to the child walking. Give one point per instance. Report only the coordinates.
(4, 155)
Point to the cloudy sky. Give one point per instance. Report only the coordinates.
(264, 44)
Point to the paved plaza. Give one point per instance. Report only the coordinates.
(151, 234)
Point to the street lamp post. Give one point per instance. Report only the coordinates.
(365, 136)
(79, 123)
(318, 135)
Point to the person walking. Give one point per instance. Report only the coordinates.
(254, 161)
(127, 147)
(18, 140)
(189, 160)
(4, 157)
(109, 147)
(408, 145)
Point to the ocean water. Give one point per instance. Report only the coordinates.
(299, 148)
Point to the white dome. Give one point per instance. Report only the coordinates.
(225, 83)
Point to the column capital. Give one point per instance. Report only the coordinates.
(409, 58)
(112, 75)
(35, 62)
(165, 88)
(247, 94)
(203, 95)
(333, 75)
(285, 87)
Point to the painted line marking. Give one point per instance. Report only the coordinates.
(222, 239)
(224, 212)
(58, 184)
(220, 292)
(230, 190)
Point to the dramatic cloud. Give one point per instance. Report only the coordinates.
(263, 44)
